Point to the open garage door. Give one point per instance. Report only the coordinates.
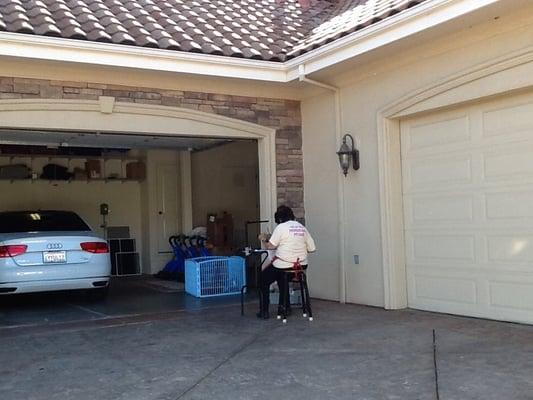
(468, 209)
(155, 186)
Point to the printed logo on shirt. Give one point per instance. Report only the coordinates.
(297, 231)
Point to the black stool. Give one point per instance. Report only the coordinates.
(294, 275)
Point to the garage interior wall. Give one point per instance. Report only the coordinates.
(225, 179)
(364, 92)
(81, 197)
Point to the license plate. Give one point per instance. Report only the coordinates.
(55, 256)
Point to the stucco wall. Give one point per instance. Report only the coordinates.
(364, 92)
(321, 195)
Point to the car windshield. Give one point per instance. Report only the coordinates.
(41, 221)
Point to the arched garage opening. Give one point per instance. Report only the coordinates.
(191, 158)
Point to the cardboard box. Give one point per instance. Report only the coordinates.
(136, 170)
(220, 230)
(93, 168)
(80, 173)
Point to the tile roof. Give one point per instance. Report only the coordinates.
(273, 30)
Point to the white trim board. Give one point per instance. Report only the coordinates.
(409, 22)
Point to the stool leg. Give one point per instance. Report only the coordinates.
(282, 302)
(307, 299)
(287, 302)
(286, 297)
(260, 293)
(242, 299)
(302, 295)
(280, 299)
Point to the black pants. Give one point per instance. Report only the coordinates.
(270, 275)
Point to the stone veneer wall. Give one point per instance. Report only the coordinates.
(283, 115)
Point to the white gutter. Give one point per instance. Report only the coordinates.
(340, 181)
(117, 55)
(411, 21)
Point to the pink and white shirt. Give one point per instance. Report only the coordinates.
(292, 242)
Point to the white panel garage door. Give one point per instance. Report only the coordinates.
(468, 209)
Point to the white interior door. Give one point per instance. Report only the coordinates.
(468, 209)
(167, 205)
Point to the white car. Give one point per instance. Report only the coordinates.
(51, 250)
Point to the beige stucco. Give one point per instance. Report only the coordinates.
(321, 194)
(439, 73)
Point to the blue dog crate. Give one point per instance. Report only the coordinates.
(214, 276)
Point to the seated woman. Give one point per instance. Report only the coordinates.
(292, 242)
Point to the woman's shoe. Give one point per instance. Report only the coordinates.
(263, 314)
(287, 313)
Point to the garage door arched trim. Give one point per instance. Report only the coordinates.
(133, 118)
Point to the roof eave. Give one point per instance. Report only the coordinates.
(144, 58)
(409, 22)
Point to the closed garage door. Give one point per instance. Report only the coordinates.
(468, 209)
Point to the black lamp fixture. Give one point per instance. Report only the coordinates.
(348, 153)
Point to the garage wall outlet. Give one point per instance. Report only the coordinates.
(356, 259)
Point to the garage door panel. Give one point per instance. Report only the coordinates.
(508, 120)
(482, 268)
(512, 163)
(445, 289)
(521, 298)
(510, 204)
(427, 173)
(468, 209)
(443, 247)
(428, 209)
(510, 249)
(439, 133)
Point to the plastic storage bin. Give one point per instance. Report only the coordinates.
(214, 276)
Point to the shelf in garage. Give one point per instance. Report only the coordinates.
(104, 159)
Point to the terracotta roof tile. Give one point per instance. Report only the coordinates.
(98, 35)
(274, 30)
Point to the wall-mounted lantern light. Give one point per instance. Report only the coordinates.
(348, 155)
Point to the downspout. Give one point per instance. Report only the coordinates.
(340, 180)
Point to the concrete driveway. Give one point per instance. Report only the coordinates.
(211, 352)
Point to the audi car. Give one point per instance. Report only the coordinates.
(51, 250)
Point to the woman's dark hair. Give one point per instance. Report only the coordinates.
(283, 214)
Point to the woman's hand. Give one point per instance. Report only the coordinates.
(265, 244)
(264, 237)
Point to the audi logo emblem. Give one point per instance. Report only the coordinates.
(54, 246)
